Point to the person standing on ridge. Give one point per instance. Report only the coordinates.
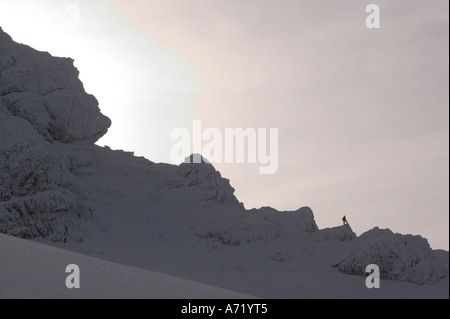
(344, 220)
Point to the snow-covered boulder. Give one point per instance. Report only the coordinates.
(342, 233)
(405, 258)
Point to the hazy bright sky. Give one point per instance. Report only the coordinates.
(362, 114)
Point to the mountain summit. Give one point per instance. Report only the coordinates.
(57, 186)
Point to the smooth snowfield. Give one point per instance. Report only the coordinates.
(33, 270)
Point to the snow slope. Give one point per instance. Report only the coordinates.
(32, 270)
(58, 187)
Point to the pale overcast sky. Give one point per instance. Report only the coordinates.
(362, 114)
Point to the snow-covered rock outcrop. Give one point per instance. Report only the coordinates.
(46, 92)
(343, 233)
(262, 226)
(400, 257)
(301, 219)
(45, 119)
(209, 182)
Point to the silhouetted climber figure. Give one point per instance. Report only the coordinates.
(344, 220)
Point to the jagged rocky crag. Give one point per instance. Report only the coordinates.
(46, 121)
(56, 184)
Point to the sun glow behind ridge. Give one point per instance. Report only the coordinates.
(137, 81)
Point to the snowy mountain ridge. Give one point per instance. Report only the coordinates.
(57, 186)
